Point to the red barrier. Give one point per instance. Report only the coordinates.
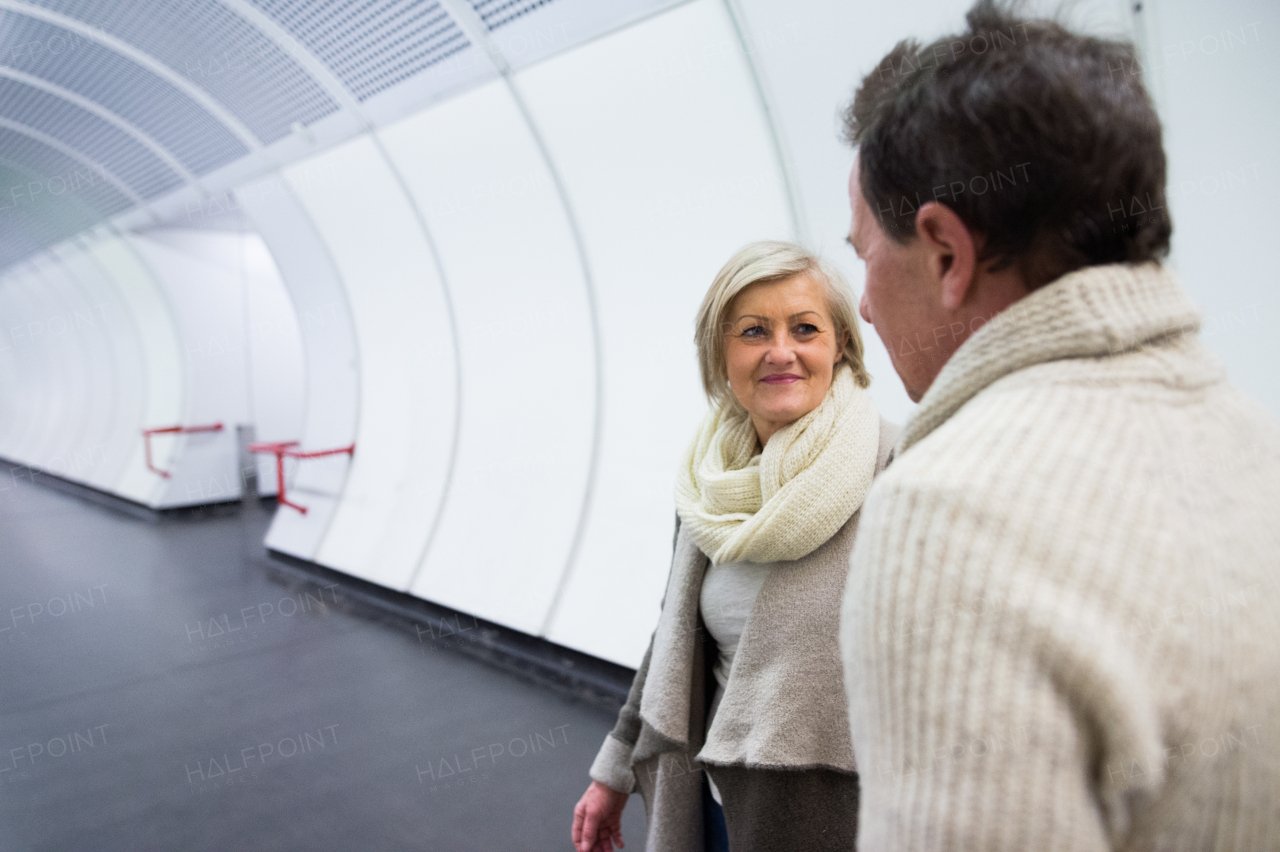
(282, 449)
(171, 430)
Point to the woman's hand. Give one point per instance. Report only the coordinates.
(597, 819)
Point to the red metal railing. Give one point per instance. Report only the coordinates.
(171, 430)
(285, 448)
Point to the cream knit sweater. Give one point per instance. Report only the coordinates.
(1061, 629)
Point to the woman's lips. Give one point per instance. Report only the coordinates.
(781, 379)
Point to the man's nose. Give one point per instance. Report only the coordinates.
(864, 308)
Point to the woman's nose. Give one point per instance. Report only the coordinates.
(781, 349)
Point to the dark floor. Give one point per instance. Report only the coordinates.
(159, 692)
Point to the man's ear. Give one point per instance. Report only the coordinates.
(952, 251)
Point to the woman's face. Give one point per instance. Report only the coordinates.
(780, 350)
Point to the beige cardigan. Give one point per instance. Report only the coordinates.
(782, 708)
(1062, 623)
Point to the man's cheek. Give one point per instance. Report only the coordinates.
(875, 303)
(882, 331)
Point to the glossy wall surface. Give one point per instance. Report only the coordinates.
(110, 334)
(519, 268)
(485, 278)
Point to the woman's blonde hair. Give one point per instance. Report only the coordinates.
(766, 262)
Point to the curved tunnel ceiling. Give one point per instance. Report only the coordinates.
(109, 105)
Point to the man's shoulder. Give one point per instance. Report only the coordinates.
(1009, 426)
(1045, 435)
(1030, 438)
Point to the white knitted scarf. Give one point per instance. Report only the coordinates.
(788, 501)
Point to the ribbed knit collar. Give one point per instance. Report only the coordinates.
(1095, 311)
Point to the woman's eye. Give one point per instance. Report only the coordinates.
(754, 331)
(806, 329)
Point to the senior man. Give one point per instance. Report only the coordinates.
(1062, 623)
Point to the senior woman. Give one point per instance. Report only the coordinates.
(743, 677)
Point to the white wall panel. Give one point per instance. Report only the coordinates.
(1215, 66)
(330, 381)
(277, 377)
(40, 369)
(524, 332)
(27, 406)
(106, 317)
(96, 360)
(81, 388)
(404, 439)
(669, 165)
(49, 373)
(200, 274)
(162, 358)
(232, 306)
(13, 411)
(84, 322)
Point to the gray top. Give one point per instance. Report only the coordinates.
(729, 593)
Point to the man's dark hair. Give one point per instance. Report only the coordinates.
(1043, 141)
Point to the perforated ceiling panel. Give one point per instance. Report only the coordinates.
(186, 129)
(21, 232)
(370, 45)
(495, 13)
(104, 144)
(227, 79)
(217, 50)
(47, 196)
